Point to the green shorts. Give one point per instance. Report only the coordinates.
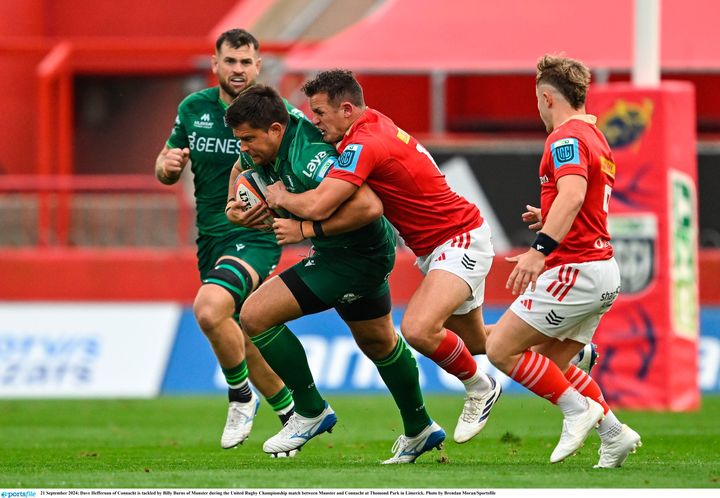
(258, 249)
(350, 281)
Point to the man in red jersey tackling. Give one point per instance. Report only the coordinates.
(443, 319)
(568, 278)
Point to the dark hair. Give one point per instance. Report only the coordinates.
(569, 76)
(237, 38)
(259, 106)
(338, 84)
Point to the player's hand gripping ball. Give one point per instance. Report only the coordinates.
(250, 189)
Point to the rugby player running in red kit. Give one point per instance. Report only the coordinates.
(568, 279)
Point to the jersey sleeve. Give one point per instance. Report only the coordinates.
(569, 156)
(178, 136)
(313, 163)
(356, 162)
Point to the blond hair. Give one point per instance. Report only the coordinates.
(568, 76)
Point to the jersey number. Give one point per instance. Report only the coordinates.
(606, 198)
(423, 150)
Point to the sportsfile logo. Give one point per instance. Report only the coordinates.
(17, 494)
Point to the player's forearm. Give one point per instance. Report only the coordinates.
(319, 203)
(303, 205)
(234, 172)
(361, 209)
(562, 214)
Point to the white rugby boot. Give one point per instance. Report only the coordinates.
(299, 430)
(615, 450)
(408, 449)
(475, 412)
(239, 422)
(576, 429)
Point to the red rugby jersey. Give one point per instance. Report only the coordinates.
(577, 147)
(416, 198)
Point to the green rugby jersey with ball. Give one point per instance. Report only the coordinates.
(302, 162)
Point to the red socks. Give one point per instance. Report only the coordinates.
(453, 357)
(537, 373)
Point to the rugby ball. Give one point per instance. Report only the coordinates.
(250, 189)
(587, 358)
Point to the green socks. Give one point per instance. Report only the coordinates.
(400, 373)
(286, 356)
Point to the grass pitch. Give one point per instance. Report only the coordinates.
(173, 442)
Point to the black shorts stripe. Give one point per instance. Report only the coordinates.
(306, 298)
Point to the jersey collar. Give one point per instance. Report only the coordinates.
(221, 101)
(587, 118)
(287, 139)
(363, 117)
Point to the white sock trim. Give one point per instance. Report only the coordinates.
(479, 382)
(572, 402)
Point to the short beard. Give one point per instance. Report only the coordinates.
(229, 89)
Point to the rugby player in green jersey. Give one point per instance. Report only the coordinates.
(232, 260)
(353, 255)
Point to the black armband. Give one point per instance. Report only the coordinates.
(544, 243)
(317, 228)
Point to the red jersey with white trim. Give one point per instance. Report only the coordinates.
(416, 198)
(577, 147)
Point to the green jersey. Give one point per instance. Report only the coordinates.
(302, 162)
(200, 126)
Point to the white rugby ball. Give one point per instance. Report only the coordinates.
(250, 189)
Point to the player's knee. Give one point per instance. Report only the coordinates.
(207, 315)
(251, 321)
(496, 353)
(419, 333)
(376, 348)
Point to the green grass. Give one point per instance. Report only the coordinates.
(173, 442)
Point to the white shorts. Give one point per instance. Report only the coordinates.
(469, 256)
(570, 299)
